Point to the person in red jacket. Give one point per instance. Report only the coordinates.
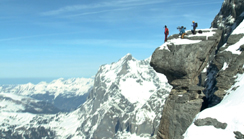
(166, 32)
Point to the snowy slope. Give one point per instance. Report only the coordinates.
(126, 101)
(16, 103)
(67, 94)
(7, 99)
(229, 111)
(234, 49)
(118, 106)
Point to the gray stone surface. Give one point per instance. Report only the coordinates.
(238, 135)
(182, 64)
(178, 113)
(210, 122)
(228, 12)
(182, 69)
(223, 79)
(184, 61)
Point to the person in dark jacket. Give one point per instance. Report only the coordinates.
(194, 27)
(166, 33)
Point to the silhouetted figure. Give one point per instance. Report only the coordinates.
(166, 33)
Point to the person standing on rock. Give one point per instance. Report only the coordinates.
(182, 32)
(166, 33)
(194, 27)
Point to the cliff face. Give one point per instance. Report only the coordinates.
(201, 68)
(182, 61)
(229, 17)
(219, 78)
(224, 120)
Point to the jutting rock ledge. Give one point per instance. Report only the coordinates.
(182, 61)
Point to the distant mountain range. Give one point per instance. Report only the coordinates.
(66, 95)
(196, 93)
(125, 100)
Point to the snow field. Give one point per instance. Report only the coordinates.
(229, 111)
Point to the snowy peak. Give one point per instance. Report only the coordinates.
(122, 66)
(66, 95)
(130, 75)
(75, 87)
(125, 102)
(121, 99)
(127, 58)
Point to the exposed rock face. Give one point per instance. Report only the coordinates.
(31, 133)
(229, 17)
(239, 135)
(210, 121)
(183, 65)
(226, 64)
(113, 111)
(182, 61)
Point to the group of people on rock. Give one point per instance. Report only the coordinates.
(181, 29)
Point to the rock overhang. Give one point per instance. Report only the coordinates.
(185, 58)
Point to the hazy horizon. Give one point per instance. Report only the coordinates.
(72, 38)
(16, 81)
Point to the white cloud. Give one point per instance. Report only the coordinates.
(112, 5)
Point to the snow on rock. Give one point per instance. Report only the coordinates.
(133, 78)
(178, 42)
(229, 111)
(239, 29)
(205, 32)
(126, 101)
(126, 135)
(234, 48)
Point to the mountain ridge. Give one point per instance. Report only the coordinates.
(125, 101)
(130, 100)
(59, 92)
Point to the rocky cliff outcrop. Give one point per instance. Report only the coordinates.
(226, 64)
(200, 68)
(182, 61)
(229, 17)
(224, 87)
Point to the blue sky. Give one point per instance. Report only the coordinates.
(71, 38)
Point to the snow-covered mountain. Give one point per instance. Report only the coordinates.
(66, 95)
(125, 102)
(15, 103)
